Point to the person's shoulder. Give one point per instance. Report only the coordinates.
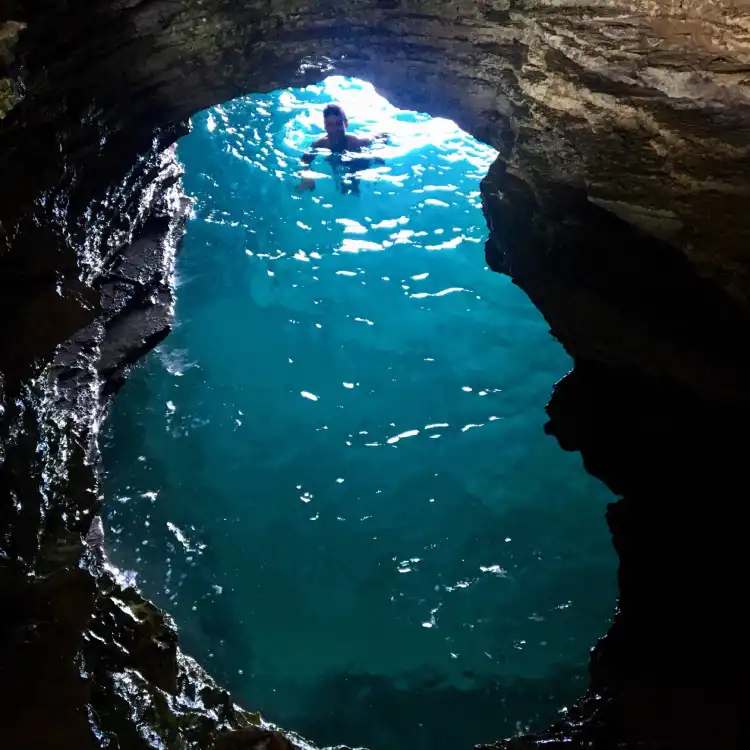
(355, 141)
(321, 142)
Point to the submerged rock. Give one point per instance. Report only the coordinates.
(619, 203)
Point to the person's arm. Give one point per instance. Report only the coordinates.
(307, 183)
(370, 140)
(357, 143)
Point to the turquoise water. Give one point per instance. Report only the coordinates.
(333, 473)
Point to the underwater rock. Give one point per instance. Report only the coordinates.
(253, 738)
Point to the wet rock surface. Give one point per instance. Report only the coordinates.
(666, 674)
(618, 203)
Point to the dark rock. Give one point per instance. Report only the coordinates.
(613, 294)
(666, 675)
(618, 203)
(253, 738)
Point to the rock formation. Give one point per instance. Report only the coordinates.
(618, 203)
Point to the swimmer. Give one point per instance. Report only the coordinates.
(338, 142)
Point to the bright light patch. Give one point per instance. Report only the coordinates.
(370, 114)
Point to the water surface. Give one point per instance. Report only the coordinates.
(333, 473)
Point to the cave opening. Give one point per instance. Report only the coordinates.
(622, 216)
(333, 473)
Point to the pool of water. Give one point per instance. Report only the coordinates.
(333, 473)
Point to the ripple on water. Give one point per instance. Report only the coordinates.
(334, 472)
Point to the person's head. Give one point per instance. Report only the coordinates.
(335, 122)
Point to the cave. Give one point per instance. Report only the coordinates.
(328, 473)
(617, 204)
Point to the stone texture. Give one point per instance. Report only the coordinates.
(628, 116)
(618, 203)
(9, 92)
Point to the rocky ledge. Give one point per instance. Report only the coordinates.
(618, 203)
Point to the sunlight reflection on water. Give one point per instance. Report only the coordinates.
(334, 471)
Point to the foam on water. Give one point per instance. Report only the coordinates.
(333, 473)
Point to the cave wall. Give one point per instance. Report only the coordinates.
(618, 203)
(623, 120)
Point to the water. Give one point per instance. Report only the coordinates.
(333, 473)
